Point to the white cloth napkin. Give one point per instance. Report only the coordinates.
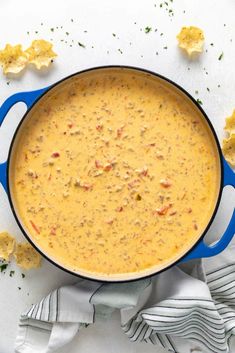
(193, 302)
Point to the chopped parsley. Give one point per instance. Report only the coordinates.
(211, 44)
(3, 267)
(19, 288)
(12, 273)
(147, 29)
(196, 92)
(67, 33)
(23, 275)
(221, 56)
(120, 51)
(81, 45)
(8, 82)
(199, 101)
(113, 34)
(71, 20)
(52, 29)
(208, 89)
(165, 47)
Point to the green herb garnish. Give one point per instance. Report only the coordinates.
(199, 101)
(221, 56)
(113, 34)
(148, 29)
(52, 29)
(23, 275)
(3, 267)
(12, 273)
(81, 45)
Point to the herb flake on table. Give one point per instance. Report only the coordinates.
(22, 275)
(199, 101)
(81, 45)
(3, 267)
(221, 56)
(12, 273)
(147, 29)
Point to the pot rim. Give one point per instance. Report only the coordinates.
(198, 106)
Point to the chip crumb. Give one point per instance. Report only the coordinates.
(40, 53)
(7, 244)
(228, 148)
(26, 256)
(191, 40)
(230, 124)
(13, 59)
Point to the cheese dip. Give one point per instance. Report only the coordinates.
(114, 172)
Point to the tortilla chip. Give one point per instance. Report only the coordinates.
(229, 149)
(230, 124)
(7, 244)
(40, 53)
(191, 40)
(26, 256)
(13, 59)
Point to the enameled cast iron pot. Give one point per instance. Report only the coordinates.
(31, 99)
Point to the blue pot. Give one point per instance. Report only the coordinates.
(200, 249)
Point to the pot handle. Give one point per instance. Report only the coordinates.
(204, 250)
(26, 97)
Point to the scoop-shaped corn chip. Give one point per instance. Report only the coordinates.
(13, 59)
(191, 39)
(40, 53)
(229, 149)
(230, 124)
(7, 244)
(26, 256)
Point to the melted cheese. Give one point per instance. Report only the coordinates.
(115, 173)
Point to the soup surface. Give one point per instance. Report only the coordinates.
(114, 173)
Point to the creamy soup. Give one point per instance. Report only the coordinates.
(115, 172)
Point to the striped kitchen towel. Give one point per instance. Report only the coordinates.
(184, 309)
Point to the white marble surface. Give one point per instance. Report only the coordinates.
(100, 19)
